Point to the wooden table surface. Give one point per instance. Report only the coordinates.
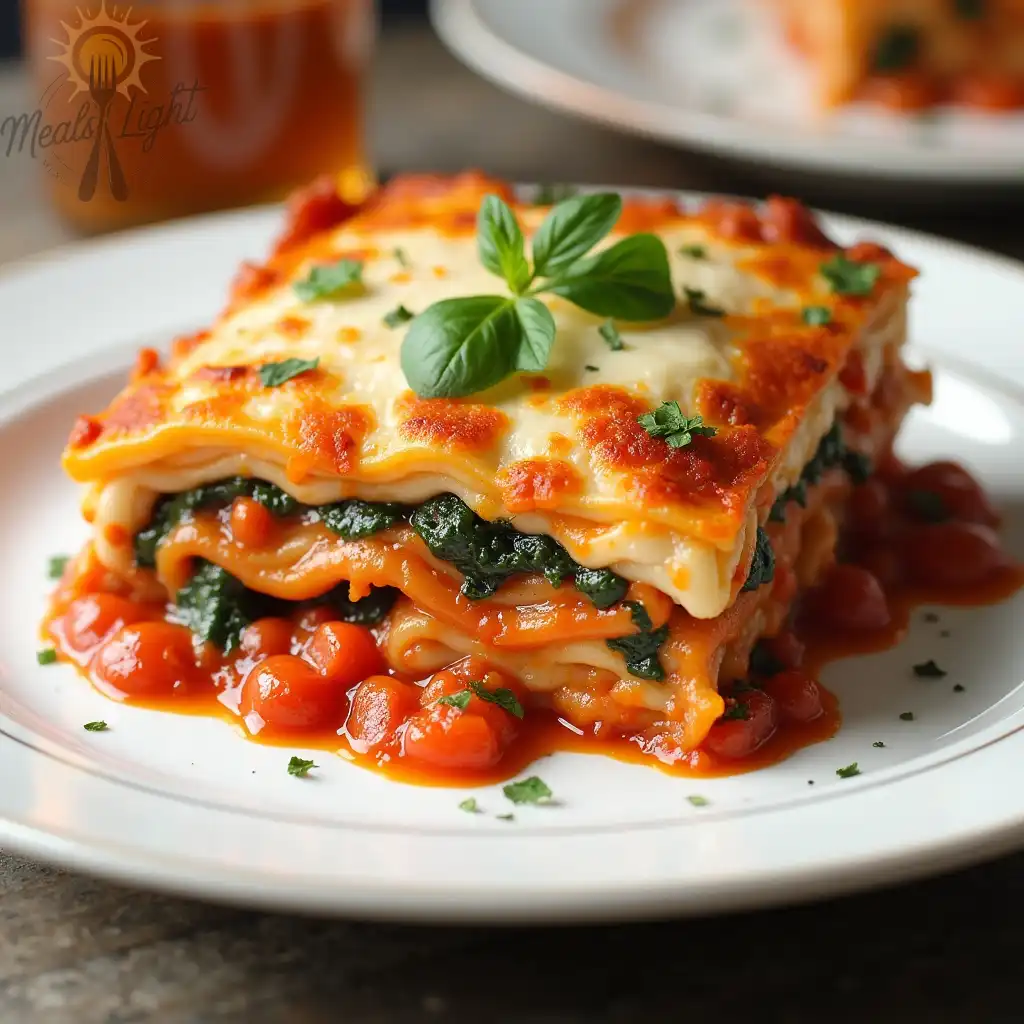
(77, 950)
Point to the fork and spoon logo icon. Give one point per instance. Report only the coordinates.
(103, 89)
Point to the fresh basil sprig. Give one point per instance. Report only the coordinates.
(457, 347)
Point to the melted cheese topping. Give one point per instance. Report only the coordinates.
(547, 451)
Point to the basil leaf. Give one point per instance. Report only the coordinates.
(328, 279)
(538, 335)
(572, 229)
(500, 241)
(460, 346)
(629, 281)
(273, 375)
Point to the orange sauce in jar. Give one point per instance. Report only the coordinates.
(185, 108)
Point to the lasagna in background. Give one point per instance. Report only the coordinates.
(277, 516)
(911, 54)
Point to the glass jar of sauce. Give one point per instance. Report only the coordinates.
(165, 108)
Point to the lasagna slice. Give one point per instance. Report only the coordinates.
(611, 536)
(912, 53)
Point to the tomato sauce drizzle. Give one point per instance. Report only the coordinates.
(910, 538)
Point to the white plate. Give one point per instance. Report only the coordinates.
(714, 75)
(187, 804)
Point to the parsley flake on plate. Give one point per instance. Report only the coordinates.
(698, 801)
(929, 670)
(878, 743)
(528, 791)
(273, 375)
(47, 656)
(906, 716)
(959, 688)
(849, 771)
(469, 805)
(299, 767)
(95, 726)
(56, 566)
(669, 422)
(505, 817)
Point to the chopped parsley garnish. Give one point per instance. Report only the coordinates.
(897, 49)
(695, 252)
(56, 566)
(299, 767)
(503, 697)
(929, 670)
(469, 805)
(402, 258)
(849, 771)
(640, 650)
(611, 336)
(505, 817)
(931, 617)
(398, 316)
(816, 316)
(958, 688)
(528, 791)
(762, 565)
(849, 278)
(47, 656)
(95, 726)
(669, 422)
(928, 506)
(273, 375)
(906, 716)
(878, 743)
(460, 699)
(698, 304)
(735, 712)
(328, 279)
(593, 369)
(698, 801)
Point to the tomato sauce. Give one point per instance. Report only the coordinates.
(909, 537)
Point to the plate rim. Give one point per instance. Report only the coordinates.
(671, 897)
(467, 34)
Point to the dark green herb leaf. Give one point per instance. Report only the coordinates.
(299, 767)
(696, 299)
(906, 716)
(629, 281)
(469, 805)
(528, 791)
(678, 430)
(95, 726)
(504, 698)
(878, 743)
(505, 817)
(931, 617)
(897, 49)
(215, 606)
(929, 670)
(640, 650)
(500, 241)
(958, 688)
(46, 656)
(367, 611)
(602, 586)
(763, 661)
(593, 369)
(611, 335)
(736, 711)
(355, 519)
(398, 316)
(849, 771)
(858, 466)
(816, 316)
(695, 252)
(928, 506)
(572, 229)
(762, 565)
(698, 801)
(460, 699)
(849, 278)
(56, 566)
(273, 375)
(328, 279)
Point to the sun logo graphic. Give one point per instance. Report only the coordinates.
(104, 55)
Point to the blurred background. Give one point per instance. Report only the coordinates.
(377, 93)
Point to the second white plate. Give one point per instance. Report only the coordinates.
(714, 75)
